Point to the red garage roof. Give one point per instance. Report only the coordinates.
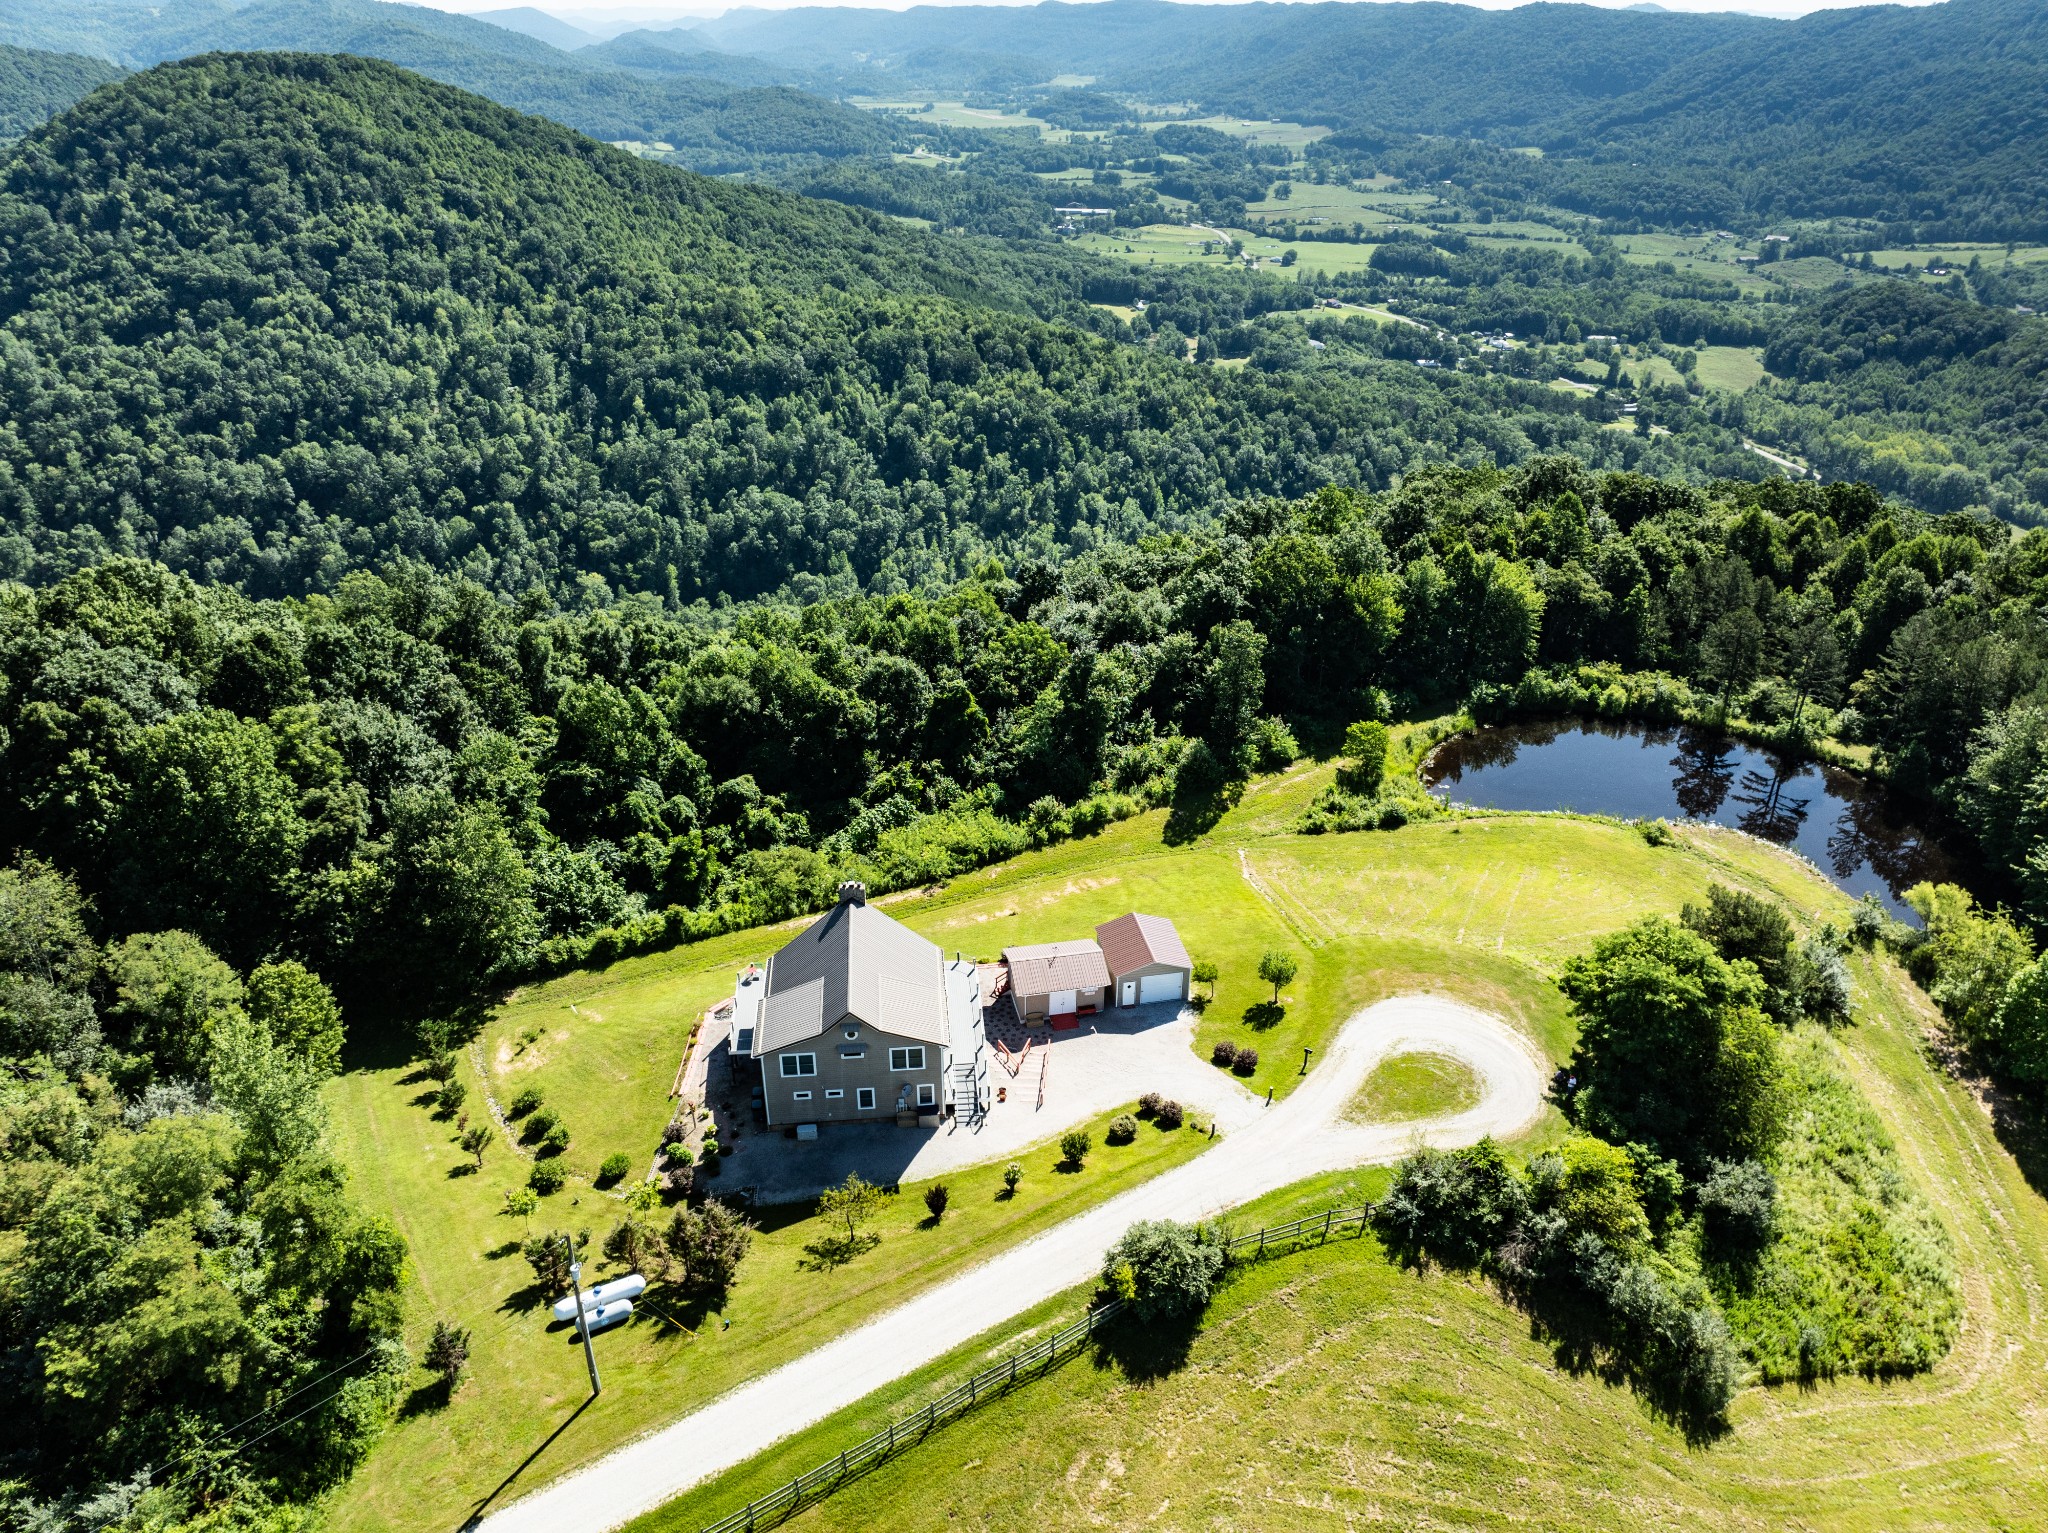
(1135, 941)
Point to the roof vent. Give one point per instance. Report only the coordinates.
(853, 892)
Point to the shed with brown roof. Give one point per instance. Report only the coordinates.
(1147, 960)
(1057, 979)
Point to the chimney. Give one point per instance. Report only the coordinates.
(853, 892)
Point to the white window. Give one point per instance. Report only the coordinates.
(800, 1096)
(906, 1059)
(833, 1096)
(927, 1096)
(864, 1098)
(799, 1064)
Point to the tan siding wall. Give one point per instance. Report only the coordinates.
(839, 1073)
(1116, 988)
(1033, 1006)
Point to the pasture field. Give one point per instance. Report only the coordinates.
(1181, 245)
(1478, 909)
(1332, 1388)
(1339, 204)
(1734, 368)
(1701, 255)
(1916, 257)
(957, 114)
(1292, 135)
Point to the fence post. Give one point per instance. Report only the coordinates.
(892, 1439)
(1013, 1370)
(1326, 1223)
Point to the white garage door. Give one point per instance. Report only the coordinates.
(1159, 987)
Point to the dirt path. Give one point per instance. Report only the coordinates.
(1298, 1137)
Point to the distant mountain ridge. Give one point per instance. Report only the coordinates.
(35, 85)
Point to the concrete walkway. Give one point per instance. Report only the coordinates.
(1296, 1138)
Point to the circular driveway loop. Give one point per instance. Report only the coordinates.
(1295, 1138)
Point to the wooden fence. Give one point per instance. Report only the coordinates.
(1033, 1362)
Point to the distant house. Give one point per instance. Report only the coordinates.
(1147, 960)
(1059, 981)
(863, 1020)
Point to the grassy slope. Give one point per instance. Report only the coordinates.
(1332, 1389)
(1481, 910)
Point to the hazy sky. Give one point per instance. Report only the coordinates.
(613, 15)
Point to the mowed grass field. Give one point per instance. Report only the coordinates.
(1333, 1389)
(1482, 910)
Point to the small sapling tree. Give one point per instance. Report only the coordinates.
(935, 1199)
(1278, 968)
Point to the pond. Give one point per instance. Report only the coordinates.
(1846, 827)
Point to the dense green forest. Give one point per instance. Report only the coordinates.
(35, 86)
(719, 120)
(521, 355)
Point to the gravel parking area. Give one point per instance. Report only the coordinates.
(1108, 1060)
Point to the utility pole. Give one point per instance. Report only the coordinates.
(582, 1320)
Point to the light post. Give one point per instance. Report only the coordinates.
(1304, 1059)
(582, 1320)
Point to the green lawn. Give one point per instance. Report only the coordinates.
(1408, 1087)
(1481, 909)
(1330, 1388)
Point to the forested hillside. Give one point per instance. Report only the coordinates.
(447, 332)
(719, 120)
(36, 86)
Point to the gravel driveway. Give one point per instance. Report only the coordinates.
(1296, 1138)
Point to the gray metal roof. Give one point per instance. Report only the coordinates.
(854, 961)
(1040, 968)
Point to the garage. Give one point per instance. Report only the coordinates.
(1159, 987)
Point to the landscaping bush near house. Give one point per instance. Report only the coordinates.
(1165, 1271)
(936, 1198)
(1246, 1062)
(1170, 1115)
(675, 1150)
(547, 1176)
(1074, 1147)
(1013, 1174)
(528, 1101)
(1123, 1128)
(1224, 1054)
(1148, 1104)
(615, 1166)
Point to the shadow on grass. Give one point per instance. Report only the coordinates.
(431, 1396)
(1146, 1352)
(837, 1250)
(1264, 1016)
(1195, 814)
(467, 1168)
(503, 1249)
(476, 1513)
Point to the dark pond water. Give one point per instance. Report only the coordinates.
(1843, 825)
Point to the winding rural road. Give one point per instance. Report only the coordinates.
(1298, 1137)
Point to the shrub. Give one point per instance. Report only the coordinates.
(1272, 746)
(555, 1140)
(543, 1122)
(1148, 1104)
(1165, 1271)
(1225, 1053)
(448, 1352)
(1870, 922)
(1247, 1061)
(708, 1244)
(547, 1176)
(936, 1197)
(616, 1165)
(1739, 1207)
(1456, 1206)
(675, 1150)
(1013, 1173)
(1170, 1115)
(439, 1067)
(1655, 832)
(548, 1256)
(449, 1099)
(1123, 1128)
(709, 1161)
(1075, 1145)
(528, 1100)
(1365, 745)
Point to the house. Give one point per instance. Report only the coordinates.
(1057, 980)
(1147, 960)
(863, 1020)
